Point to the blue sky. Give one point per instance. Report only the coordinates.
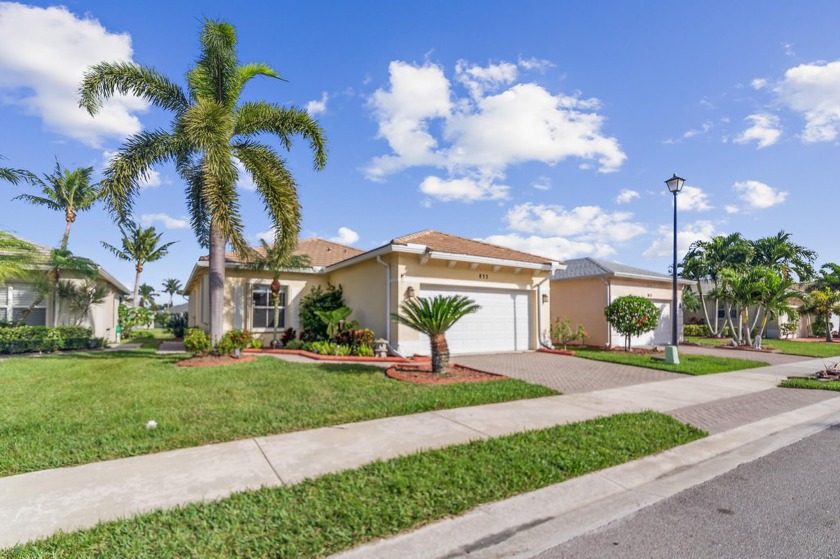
(545, 126)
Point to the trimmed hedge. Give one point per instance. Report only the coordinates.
(28, 339)
(698, 330)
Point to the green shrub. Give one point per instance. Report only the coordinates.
(256, 343)
(295, 344)
(234, 339)
(632, 315)
(196, 341)
(177, 324)
(697, 330)
(356, 338)
(364, 351)
(318, 299)
(27, 339)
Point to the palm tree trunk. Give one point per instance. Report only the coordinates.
(276, 319)
(828, 337)
(136, 295)
(440, 354)
(217, 282)
(705, 310)
(66, 236)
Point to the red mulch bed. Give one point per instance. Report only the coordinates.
(213, 361)
(556, 351)
(319, 357)
(456, 374)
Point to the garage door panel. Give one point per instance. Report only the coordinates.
(501, 324)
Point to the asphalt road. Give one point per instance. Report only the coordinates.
(784, 505)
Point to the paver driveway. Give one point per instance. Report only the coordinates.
(569, 375)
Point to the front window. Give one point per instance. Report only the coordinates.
(262, 307)
(21, 303)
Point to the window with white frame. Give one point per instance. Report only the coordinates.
(262, 307)
(20, 299)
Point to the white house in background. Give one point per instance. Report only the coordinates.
(16, 296)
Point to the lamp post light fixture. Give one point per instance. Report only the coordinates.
(675, 184)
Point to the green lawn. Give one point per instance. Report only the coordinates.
(811, 383)
(85, 407)
(689, 364)
(150, 338)
(789, 347)
(334, 512)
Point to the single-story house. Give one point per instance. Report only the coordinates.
(582, 290)
(18, 295)
(511, 287)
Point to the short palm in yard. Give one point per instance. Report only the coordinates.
(72, 409)
(433, 317)
(689, 364)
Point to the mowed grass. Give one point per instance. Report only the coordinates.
(689, 364)
(799, 382)
(85, 407)
(150, 338)
(788, 347)
(334, 512)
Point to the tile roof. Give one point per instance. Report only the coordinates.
(442, 242)
(593, 267)
(321, 253)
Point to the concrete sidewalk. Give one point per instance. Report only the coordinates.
(37, 504)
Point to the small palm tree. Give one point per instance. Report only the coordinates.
(434, 317)
(147, 293)
(65, 191)
(172, 286)
(276, 259)
(139, 246)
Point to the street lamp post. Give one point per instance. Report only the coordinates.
(675, 184)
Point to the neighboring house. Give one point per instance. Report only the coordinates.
(586, 286)
(511, 287)
(16, 296)
(176, 309)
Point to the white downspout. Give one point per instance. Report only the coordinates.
(609, 297)
(540, 341)
(388, 304)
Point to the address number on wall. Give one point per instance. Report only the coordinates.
(483, 276)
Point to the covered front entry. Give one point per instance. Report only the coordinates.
(502, 324)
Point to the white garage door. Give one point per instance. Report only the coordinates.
(502, 324)
(660, 336)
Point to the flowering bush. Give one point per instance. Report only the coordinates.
(632, 315)
(562, 331)
(196, 341)
(234, 339)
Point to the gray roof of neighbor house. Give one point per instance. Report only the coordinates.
(579, 268)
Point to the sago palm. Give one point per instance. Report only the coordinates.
(276, 259)
(140, 246)
(210, 130)
(433, 317)
(172, 286)
(65, 191)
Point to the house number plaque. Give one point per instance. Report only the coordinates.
(483, 276)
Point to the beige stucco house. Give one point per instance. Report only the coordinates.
(582, 290)
(16, 296)
(512, 288)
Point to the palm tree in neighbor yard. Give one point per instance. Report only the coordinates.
(276, 259)
(65, 191)
(434, 317)
(139, 246)
(146, 294)
(210, 131)
(172, 286)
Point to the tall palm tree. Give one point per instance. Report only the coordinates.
(172, 286)
(434, 317)
(210, 129)
(14, 176)
(146, 294)
(16, 257)
(139, 246)
(783, 255)
(65, 191)
(276, 259)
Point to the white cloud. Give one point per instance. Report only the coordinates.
(626, 196)
(318, 107)
(731, 209)
(166, 220)
(664, 244)
(152, 179)
(558, 248)
(463, 189)
(499, 123)
(584, 223)
(542, 183)
(539, 64)
(814, 91)
(44, 53)
(346, 236)
(245, 181)
(765, 130)
(758, 83)
(267, 236)
(758, 195)
(693, 198)
(705, 127)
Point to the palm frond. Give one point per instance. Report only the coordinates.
(39, 201)
(244, 73)
(213, 74)
(260, 117)
(434, 316)
(191, 173)
(106, 79)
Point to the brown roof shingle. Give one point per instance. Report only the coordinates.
(321, 253)
(442, 242)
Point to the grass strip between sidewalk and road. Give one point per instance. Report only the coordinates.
(337, 511)
(689, 364)
(810, 383)
(88, 407)
(787, 347)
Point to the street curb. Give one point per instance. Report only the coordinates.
(529, 524)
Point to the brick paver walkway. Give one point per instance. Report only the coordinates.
(771, 358)
(569, 375)
(721, 415)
